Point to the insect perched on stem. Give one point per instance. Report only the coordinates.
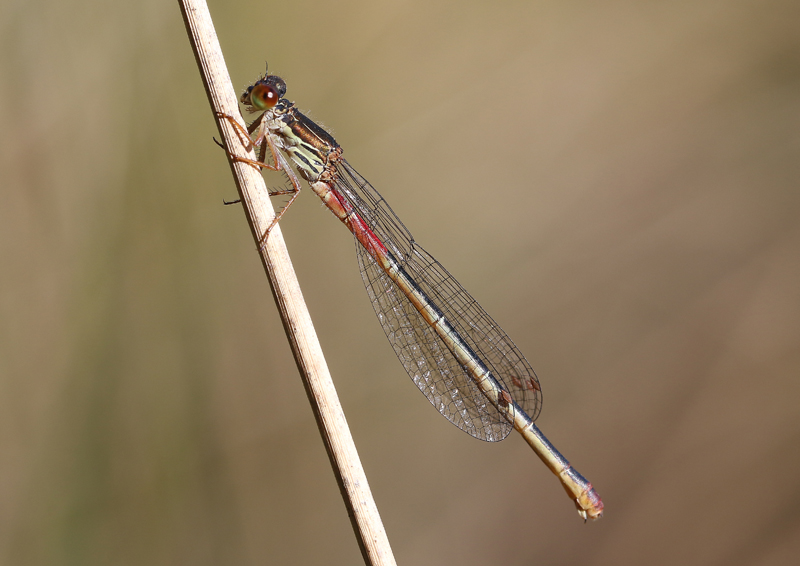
(455, 353)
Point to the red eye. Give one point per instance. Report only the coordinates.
(264, 97)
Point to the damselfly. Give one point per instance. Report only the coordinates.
(455, 353)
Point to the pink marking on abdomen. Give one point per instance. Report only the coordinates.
(347, 214)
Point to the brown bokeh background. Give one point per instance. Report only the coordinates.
(616, 183)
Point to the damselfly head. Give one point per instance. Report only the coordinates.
(264, 94)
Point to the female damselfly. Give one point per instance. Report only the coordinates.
(455, 353)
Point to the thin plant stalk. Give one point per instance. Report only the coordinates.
(294, 314)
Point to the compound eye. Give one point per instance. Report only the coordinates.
(264, 96)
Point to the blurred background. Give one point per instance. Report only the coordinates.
(615, 182)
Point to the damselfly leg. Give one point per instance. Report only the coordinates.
(264, 144)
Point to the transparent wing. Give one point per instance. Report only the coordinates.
(426, 358)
